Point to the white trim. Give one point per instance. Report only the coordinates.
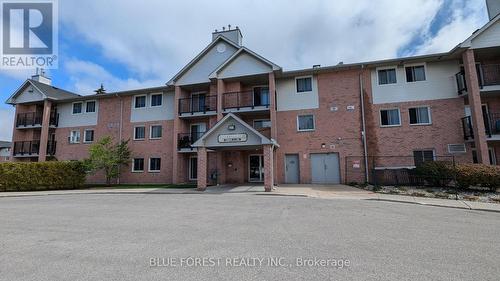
(395, 67)
(95, 107)
(306, 130)
(457, 152)
(151, 131)
(73, 107)
(261, 167)
(302, 77)
(189, 168)
(85, 135)
(151, 99)
(71, 137)
(415, 64)
(137, 171)
(428, 114)
(134, 136)
(380, 117)
(145, 102)
(149, 165)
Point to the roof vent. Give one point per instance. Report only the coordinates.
(340, 63)
(317, 66)
(100, 91)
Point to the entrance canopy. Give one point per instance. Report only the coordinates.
(231, 132)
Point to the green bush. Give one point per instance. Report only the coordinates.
(478, 175)
(436, 173)
(50, 175)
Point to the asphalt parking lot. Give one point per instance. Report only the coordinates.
(241, 237)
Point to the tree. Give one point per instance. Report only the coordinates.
(107, 156)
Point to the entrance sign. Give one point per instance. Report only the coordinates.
(228, 138)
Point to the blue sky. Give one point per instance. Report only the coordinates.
(125, 45)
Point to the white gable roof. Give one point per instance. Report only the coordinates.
(486, 36)
(244, 62)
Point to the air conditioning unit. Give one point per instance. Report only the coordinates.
(457, 148)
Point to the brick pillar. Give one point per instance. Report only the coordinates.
(202, 168)
(175, 158)
(268, 167)
(221, 167)
(44, 134)
(221, 88)
(475, 106)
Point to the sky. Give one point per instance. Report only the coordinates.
(133, 44)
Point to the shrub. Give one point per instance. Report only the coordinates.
(478, 175)
(436, 173)
(52, 175)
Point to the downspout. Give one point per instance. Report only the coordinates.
(363, 132)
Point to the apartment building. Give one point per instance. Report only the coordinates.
(5, 147)
(232, 116)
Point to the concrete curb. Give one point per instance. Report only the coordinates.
(466, 207)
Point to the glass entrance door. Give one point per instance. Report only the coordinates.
(256, 168)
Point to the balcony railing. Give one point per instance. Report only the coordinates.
(491, 125)
(487, 75)
(29, 119)
(186, 140)
(197, 104)
(32, 148)
(249, 99)
(35, 119)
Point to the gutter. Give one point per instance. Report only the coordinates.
(363, 132)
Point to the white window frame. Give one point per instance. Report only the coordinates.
(71, 136)
(135, 137)
(149, 165)
(388, 126)
(415, 64)
(428, 113)
(95, 106)
(189, 168)
(395, 67)
(73, 108)
(151, 99)
(263, 119)
(306, 130)
(151, 132)
(295, 85)
(133, 167)
(85, 135)
(461, 152)
(145, 103)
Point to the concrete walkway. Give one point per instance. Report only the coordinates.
(302, 190)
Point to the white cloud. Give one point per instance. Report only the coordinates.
(155, 40)
(6, 123)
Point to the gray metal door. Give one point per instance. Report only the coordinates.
(292, 168)
(325, 168)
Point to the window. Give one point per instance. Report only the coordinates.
(156, 99)
(421, 156)
(90, 106)
(74, 137)
(387, 76)
(154, 164)
(415, 73)
(389, 117)
(420, 116)
(155, 132)
(305, 122)
(77, 108)
(138, 165)
(139, 133)
(140, 102)
(260, 124)
(88, 136)
(304, 84)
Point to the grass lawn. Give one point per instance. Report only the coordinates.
(134, 186)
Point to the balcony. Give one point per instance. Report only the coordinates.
(34, 120)
(32, 148)
(198, 105)
(491, 125)
(184, 141)
(254, 100)
(488, 78)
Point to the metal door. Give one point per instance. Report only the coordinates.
(292, 168)
(325, 168)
